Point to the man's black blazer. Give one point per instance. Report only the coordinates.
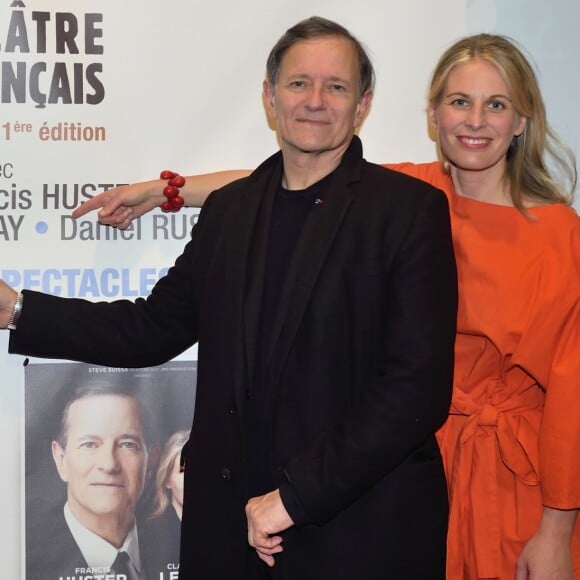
(360, 370)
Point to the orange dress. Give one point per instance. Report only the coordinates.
(512, 440)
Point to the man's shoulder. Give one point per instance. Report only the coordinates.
(256, 181)
(399, 187)
(229, 192)
(62, 555)
(47, 520)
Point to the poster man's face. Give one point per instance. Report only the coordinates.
(105, 459)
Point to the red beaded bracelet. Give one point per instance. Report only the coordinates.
(174, 201)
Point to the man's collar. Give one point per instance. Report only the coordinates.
(351, 162)
(97, 552)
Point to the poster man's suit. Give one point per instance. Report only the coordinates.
(359, 370)
(52, 552)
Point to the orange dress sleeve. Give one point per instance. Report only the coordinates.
(552, 352)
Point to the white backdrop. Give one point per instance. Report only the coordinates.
(178, 86)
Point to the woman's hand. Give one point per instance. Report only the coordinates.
(547, 556)
(119, 206)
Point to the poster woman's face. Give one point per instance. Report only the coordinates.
(175, 484)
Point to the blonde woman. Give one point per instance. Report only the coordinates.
(169, 479)
(162, 527)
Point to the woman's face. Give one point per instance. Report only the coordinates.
(476, 121)
(175, 484)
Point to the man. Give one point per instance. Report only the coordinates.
(322, 291)
(101, 453)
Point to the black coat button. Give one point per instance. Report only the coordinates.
(225, 473)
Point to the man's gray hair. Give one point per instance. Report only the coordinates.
(316, 27)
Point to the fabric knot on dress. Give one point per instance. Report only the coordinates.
(491, 437)
(487, 416)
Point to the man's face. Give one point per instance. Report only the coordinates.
(315, 100)
(105, 460)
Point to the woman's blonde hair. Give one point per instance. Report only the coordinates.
(169, 455)
(528, 171)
